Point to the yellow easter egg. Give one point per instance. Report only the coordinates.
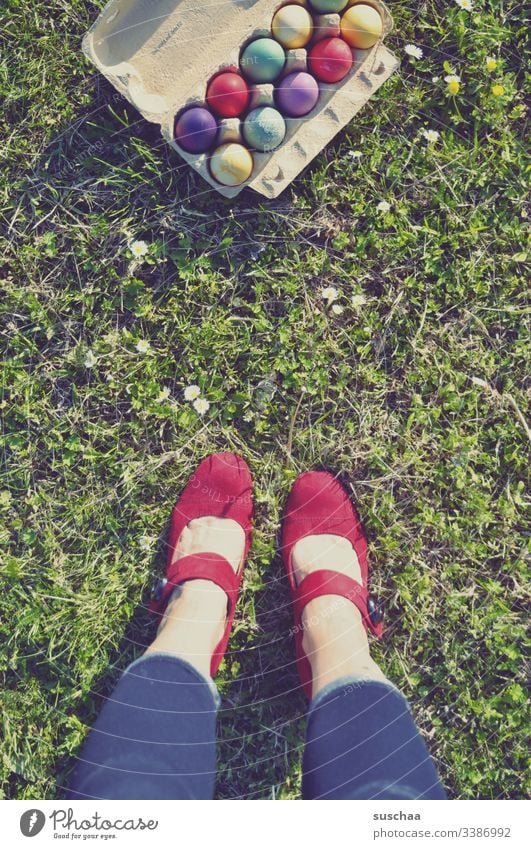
(292, 26)
(361, 26)
(231, 164)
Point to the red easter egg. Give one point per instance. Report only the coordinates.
(330, 60)
(228, 94)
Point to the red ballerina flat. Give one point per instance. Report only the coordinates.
(221, 486)
(319, 504)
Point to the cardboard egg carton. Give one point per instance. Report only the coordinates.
(161, 54)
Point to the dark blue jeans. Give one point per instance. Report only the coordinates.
(155, 739)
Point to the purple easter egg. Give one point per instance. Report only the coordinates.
(297, 94)
(196, 129)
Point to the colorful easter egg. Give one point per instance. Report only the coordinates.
(330, 60)
(228, 94)
(196, 129)
(324, 7)
(297, 94)
(231, 164)
(264, 128)
(292, 26)
(263, 60)
(361, 26)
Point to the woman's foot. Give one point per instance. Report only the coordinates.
(334, 639)
(194, 620)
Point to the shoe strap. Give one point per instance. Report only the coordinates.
(328, 582)
(207, 566)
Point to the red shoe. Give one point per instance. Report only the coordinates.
(221, 486)
(319, 504)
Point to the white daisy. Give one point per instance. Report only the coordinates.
(358, 301)
(383, 206)
(164, 395)
(337, 309)
(90, 360)
(191, 392)
(431, 136)
(145, 543)
(143, 346)
(355, 154)
(201, 406)
(138, 249)
(329, 293)
(465, 4)
(414, 51)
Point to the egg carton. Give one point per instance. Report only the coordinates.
(161, 54)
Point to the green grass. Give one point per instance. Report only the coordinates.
(416, 392)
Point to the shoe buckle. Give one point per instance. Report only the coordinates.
(375, 610)
(158, 588)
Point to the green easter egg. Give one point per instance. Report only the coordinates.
(324, 7)
(262, 60)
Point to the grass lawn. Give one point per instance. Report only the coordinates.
(411, 383)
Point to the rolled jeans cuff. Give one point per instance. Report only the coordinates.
(201, 679)
(344, 684)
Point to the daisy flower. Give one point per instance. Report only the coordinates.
(90, 360)
(143, 346)
(191, 392)
(201, 406)
(337, 309)
(465, 4)
(329, 294)
(138, 249)
(414, 51)
(145, 543)
(454, 83)
(491, 63)
(355, 154)
(431, 136)
(497, 90)
(383, 206)
(358, 301)
(164, 395)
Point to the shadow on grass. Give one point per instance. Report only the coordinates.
(117, 155)
(261, 725)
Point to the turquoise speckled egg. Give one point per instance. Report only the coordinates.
(264, 128)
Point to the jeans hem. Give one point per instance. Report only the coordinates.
(346, 681)
(163, 655)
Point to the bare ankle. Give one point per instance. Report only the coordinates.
(192, 624)
(336, 643)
